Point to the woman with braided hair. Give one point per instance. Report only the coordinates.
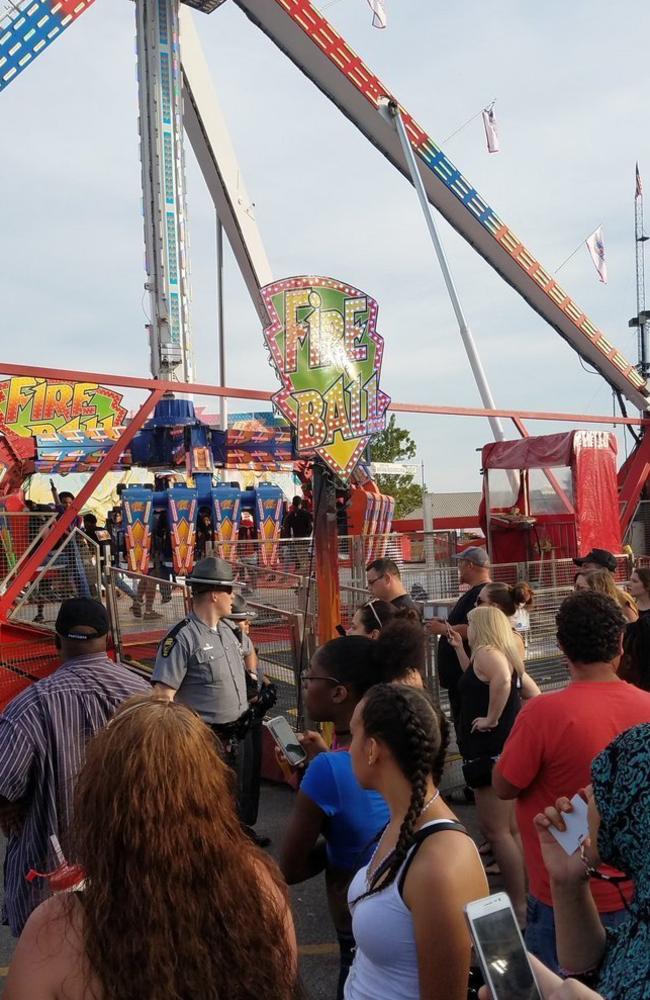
(407, 903)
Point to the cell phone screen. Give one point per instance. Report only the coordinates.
(287, 740)
(505, 962)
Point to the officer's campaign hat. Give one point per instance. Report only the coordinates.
(241, 612)
(212, 571)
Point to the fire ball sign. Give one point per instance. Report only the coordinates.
(327, 353)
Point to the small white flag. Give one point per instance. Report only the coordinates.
(596, 248)
(379, 18)
(491, 134)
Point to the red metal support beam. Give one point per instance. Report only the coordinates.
(632, 477)
(233, 392)
(60, 526)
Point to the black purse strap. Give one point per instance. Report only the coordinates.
(420, 837)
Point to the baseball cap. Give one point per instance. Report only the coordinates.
(474, 554)
(81, 612)
(599, 556)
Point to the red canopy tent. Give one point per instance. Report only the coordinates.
(588, 513)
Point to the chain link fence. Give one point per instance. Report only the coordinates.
(72, 569)
(144, 608)
(20, 533)
(24, 661)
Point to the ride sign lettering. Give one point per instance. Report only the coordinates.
(327, 353)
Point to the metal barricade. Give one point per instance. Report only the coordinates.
(20, 533)
(143, 609)
(283, 650)
(73, 569)
(23, 661)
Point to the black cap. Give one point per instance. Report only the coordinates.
(599, 556)
(241, 612)
(81, 612)
(211, 570)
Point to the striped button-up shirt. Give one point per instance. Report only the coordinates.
(43, 736)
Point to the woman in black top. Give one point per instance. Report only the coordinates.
(490, 690)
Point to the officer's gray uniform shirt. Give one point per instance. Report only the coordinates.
(205, 667)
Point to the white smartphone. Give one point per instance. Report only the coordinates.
(500, 949)
(286, 739)
(577, 826)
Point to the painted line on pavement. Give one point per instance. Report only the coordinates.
(318, 949)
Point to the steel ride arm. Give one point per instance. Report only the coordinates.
(316, 48)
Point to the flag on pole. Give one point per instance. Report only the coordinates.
(596, 248)
(490, 126)
(379, 18)
(639, 185)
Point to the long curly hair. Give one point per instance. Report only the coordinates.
(176, 905)
(416, 733)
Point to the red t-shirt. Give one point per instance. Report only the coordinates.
(549, 753)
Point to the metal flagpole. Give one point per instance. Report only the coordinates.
(390, 110)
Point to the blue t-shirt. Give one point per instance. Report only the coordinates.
(354, 815)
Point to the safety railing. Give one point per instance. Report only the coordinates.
(20, 533)
(73, 569)
(638, 532)
(24, 661)
(144, 608)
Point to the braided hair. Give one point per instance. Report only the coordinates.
(405, 720)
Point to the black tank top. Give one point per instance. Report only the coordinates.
(474, 702)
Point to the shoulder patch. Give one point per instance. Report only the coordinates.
(169, 641)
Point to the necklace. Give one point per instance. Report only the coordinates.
(424, 808)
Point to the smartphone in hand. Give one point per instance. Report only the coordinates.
(286, 739)
(500, 949)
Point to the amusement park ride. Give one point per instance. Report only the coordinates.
(175, 93)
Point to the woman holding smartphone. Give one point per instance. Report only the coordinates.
(407, 902)
(493, 683)
(335, 822)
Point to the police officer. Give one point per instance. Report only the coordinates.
(200, 660)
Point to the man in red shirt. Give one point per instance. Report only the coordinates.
(554, 740)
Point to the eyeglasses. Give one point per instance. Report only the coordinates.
(306, 678)
(224, 590)
(370, 605)
(373, 581)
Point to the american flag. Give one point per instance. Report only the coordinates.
(639, 186)
(379, 17)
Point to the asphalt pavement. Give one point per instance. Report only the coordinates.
(316, 938)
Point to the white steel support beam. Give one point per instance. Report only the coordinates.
(163, 186)
(208, 133)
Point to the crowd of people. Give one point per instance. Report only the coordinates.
(150, 786)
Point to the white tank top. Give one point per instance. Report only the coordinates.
(385, 963)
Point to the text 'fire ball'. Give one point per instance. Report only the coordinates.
(327, 353)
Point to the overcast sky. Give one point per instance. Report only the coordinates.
(572, 115)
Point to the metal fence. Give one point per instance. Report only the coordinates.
(73, 569)
(20, 533)
(638, 533)
(144, 608)
(24, 661)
